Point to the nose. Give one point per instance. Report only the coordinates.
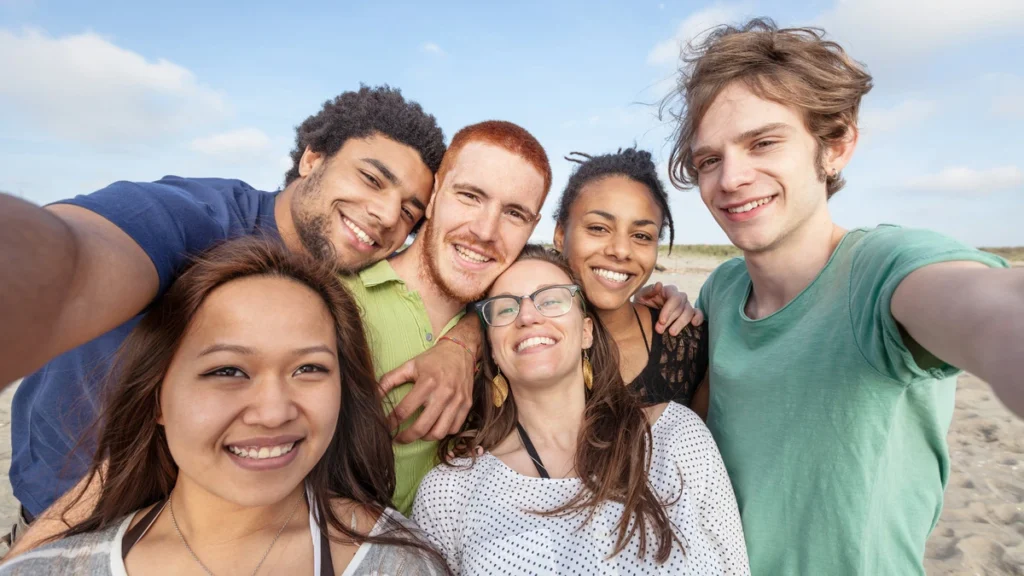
(618, 246)
(271, 404)
(386, 208)
(735, 173)
(485, 225)
(528, 314)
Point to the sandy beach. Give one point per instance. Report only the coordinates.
(981, 530)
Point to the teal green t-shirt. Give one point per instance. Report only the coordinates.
(833, 436)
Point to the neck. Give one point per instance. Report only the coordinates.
(410, 265)
(206, 519)
(285, 222)
(779, 275)
(553, 415)
(619, 321)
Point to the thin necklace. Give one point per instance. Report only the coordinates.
(170, 505)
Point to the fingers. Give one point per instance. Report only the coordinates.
(650, 296)
(674, 307)
(410, 403)
(423, 424)
(404, 373)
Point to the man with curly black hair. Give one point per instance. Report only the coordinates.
(77, 274)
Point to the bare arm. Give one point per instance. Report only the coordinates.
(969, 316)
(59, 516)
(67, 275)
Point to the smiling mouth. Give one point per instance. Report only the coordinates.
(612, 276)
(361, 234)
(472, 255)
(750, 205)
(534, 342)
(262, 452)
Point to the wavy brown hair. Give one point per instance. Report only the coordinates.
(613, 451)
(132, 448)
(795, 67)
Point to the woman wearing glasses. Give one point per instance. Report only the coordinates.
(609, 220)
(566, 471)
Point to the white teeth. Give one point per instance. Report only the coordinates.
(471, 255)
(262, 453)
(750, 205)
(535, 341)
(363, 236)
(613, 276)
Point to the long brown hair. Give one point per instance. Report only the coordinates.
(792, 66)
(613, 451)
(358, 464)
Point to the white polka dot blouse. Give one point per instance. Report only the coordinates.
(482, 518)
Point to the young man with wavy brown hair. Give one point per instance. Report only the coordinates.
(834, 352)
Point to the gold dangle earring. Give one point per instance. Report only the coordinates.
(588, 372)
(499, 389)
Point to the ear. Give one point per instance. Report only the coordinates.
(559, 237)
(309, 161)
(588, 333)
(429, 212)
(839, 154)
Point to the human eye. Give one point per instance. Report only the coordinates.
(468, 197)
(225, 372)
(766, 143)
(371, 179)
(517, 216)
(408, 214)
(597, 229)
(311, 369)
(707, 163)
(643, 237)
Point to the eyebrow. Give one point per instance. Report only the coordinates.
(748, 135)
(245, 350)
(608, 216)
(388, 174)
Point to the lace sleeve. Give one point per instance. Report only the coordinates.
(684, 361)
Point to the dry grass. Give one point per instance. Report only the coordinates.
(1013, 254)
(713, 250)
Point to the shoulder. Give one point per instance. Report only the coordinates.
(680, 429)
(888, 242)
(728, 274)
(395, 558)
(87, 553)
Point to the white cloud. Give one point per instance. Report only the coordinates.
(85, 88)
(907, 113)
(243, 142)
(964, 179)
(667, 51)
(432, 48)
(880, 31)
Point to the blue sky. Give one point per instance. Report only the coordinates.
(103, 91)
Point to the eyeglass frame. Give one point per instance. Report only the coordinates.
(574, 290)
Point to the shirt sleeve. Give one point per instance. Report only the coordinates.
(880, 262)
(436, 511)
(171, 220)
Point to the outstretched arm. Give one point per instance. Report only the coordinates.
(969, 316)
(67, 275)
(442, 380)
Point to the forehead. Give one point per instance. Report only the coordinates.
(526, 276)
(619, 196)
(262, 312)
(401, 159)
(499, 173)
(737, 110)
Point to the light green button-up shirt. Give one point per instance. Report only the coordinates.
(398, 329)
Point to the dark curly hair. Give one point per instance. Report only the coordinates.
(381, 110)
(634, 164)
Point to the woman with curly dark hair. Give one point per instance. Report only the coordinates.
(610, 219)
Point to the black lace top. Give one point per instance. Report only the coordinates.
(675, 366)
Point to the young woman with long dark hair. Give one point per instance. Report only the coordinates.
(564, 469)
(242, 432)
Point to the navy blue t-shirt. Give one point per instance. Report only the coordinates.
(172, 220)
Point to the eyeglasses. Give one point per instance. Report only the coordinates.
(550, 301)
